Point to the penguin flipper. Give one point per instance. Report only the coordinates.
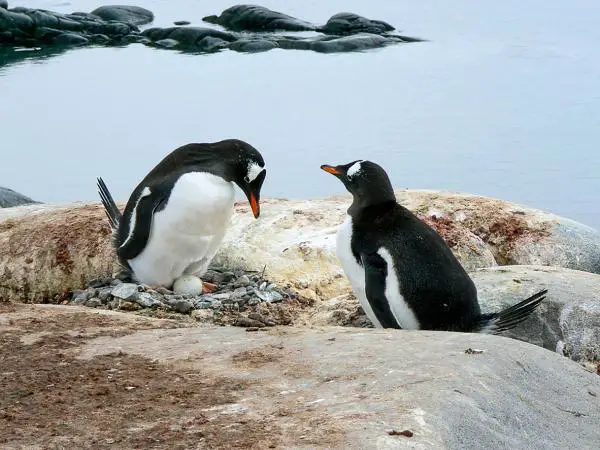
(144, 210)
(376, 272)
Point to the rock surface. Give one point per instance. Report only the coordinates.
(294, 239)
(257, 18)
(118, 25)
(127, 14)
(179, 386)
(10, 198)
(567, 321)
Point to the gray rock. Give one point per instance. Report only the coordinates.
(222, 296)
(239, 293)
(253, 302)
(244, 280)
(70, 39)
(181, 22)
(167, 43)
(349, 23)
(127, 14)
(269, 296)
(257, 18)
(567, 321)
(511, 396)
(104, 293)
(125, 291)
(182, 306)
(202, 305)
(80, 297)
(149, 300)
(350, 43)
(93, 302)
(216, 304)
(10, 198)
(4, 4)
(253, 45)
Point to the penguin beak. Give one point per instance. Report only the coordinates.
(254, 204)
(330, 169)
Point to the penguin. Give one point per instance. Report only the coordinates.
(176, 218)
(401, 270)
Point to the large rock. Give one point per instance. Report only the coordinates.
(127, 14)
(257, 18)
(295, 240)
(10, 198)
(342, 388)
(350, 23)
(567, 321)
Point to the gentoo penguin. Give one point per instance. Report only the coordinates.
(402, 272)
(177, 216)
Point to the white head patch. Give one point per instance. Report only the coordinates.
(354, 169)
(254, 170)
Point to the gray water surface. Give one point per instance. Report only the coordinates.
(503, 101)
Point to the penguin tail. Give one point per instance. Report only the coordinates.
(508, 318)
(110, 207)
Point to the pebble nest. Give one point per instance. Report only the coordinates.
(242, 298)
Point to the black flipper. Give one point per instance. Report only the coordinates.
(144, 212)
(110, 207)
(510, 317)
(376, 272)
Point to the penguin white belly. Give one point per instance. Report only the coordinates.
(188, 231)
(354, 272)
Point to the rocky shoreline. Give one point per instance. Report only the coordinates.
(249, 29)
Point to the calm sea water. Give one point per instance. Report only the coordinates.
(503, 101)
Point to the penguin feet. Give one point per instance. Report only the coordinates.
(207, 287)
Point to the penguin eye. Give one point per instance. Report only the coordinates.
(246, 179)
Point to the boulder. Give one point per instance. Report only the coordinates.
(293, 241)
(257, 18)
(191, 37)
(566, 322)
(349, 23)
(10, 198)
(127, 14)
(351, 43)
(355, 389)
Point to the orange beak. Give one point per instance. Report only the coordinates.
(331, 170)
(255, 206)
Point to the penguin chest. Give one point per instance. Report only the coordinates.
(189, 230)
(353, 270)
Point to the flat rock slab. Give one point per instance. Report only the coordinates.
(334, 388)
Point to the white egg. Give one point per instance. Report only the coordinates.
(188, 284)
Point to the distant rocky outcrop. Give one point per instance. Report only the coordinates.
(246, 24)
(4, 4)
(10, 198)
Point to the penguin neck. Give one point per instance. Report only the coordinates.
(361, 208)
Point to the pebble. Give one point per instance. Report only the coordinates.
(182, 306)
(244, 280)
(104, 293)
(80, 297)
(125, 291)
(128, 306)
(203, 305)
(147, 300)
(93, 302)
(239, 293)
(269, 296)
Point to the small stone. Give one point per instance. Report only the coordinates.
(104, 293)
(93, 302)
(203, 305)
(253, 301)
(128, 306)
(239, 293)
(269, 296)
(247, 322)
(222, 296)
(113, 304)
(179, 22)
(148, 300)
(182, 306)
(263, 285)
(125, 291)
(271, 287)
(163, 290)
(216, 304)
(80, 297)
(244, 280)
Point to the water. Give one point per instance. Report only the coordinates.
(504, 101)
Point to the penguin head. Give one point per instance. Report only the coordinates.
(247, 170)
(367, 181)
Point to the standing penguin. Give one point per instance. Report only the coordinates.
(176, 218)
(401, 270)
